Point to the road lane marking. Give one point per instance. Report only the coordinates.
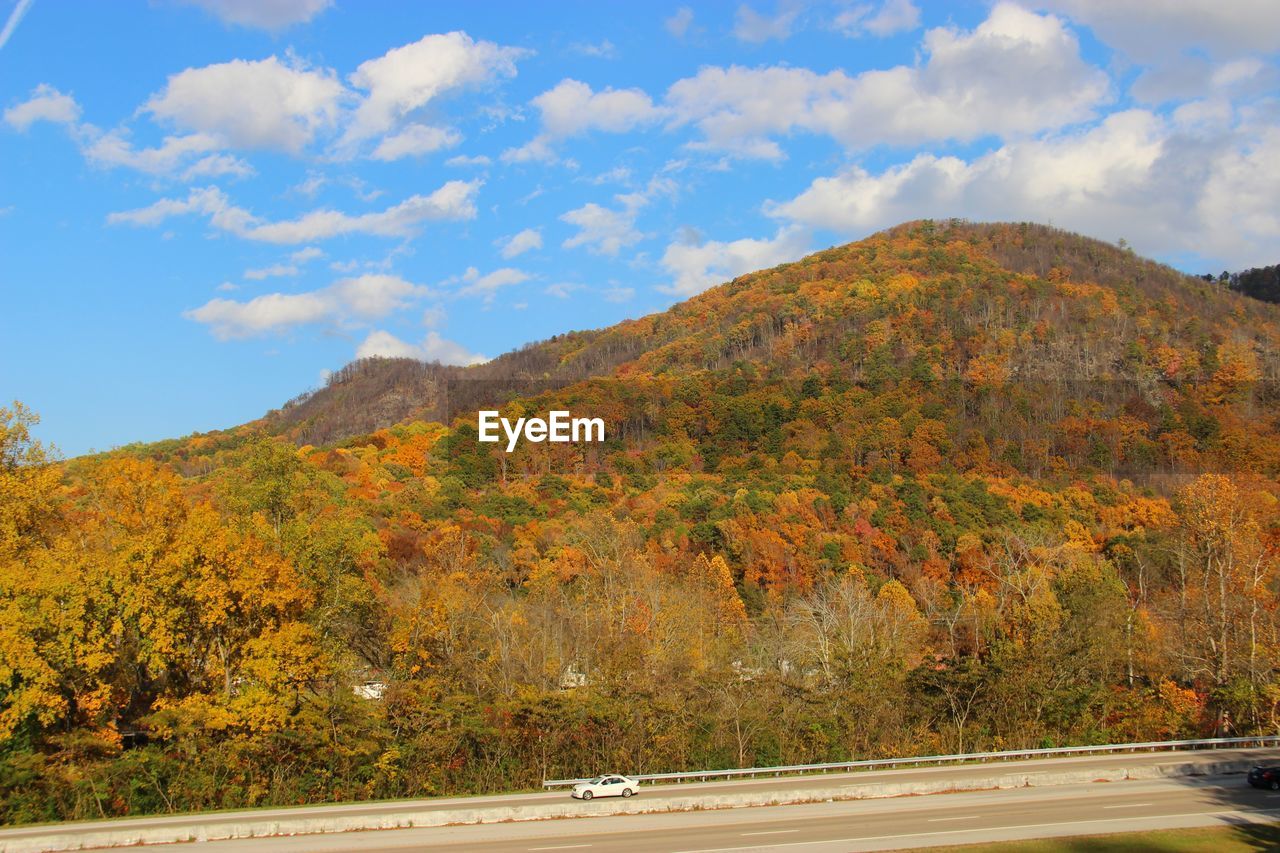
(1241, 814)
(771, 832)
(942, 819)
(1128, 806)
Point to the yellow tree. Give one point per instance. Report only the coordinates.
(1226, 575)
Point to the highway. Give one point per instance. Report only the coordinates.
(1066, 799)
(891, 824)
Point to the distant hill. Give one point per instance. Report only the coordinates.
(832, 295)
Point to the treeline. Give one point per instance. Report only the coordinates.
(173, 644)
(1261, 283)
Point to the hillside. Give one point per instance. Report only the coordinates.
(950, 488)
(825, 298)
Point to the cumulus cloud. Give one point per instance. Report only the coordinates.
(364, 298)
(572, 108)
(292, 268)
(114, 149)
(606, 231)
(186, 156)
(1187, 45)
(44, 104)
(893, 16)
(597, 50)
(518, 244)
(487, 285)
(1163, 186)
(463, 160)
(407, 78)
(415, 141)
(694, 268)
(263, 14)
(562, 289)
(1016, 73)
(679, 23)
(454, 200)
(433, 348)
(752, 26)
(251, 104)
(1224, 30)
(267, 313)
(601, 229)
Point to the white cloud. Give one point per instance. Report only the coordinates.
(114, 149)
(309, 186)
(893, 16)
(1016, 73)
(601, 50)
(488, 285)
(366, 297)
(698, 267)
(572, 108)
(464, 160)
(208, 201)
(518, 244)
(217, 166)
(408, 78)
(602, 230)
(188, 156)
(616, 175)
(455, 200)
(263, 14)
(1164, 187)
(374, 295)
(607, 231)
(267, 313)
(15, 17)
(415, 141)
(679, 23)
(45, 104)
(751, 26)
(273, 271)
(562, 289)
(383, 344)
(292, 268)
(433, 316)
(259, 104)
(1149, 34)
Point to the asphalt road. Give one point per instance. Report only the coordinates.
(845, 825)
(890, 824)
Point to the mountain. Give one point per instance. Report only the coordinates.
(951, 488)
(1015, 276)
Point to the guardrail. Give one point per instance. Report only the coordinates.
(751, 772)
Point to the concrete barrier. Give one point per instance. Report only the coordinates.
(186, 828)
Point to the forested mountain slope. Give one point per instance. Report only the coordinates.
(951, 487)
(1128, 318)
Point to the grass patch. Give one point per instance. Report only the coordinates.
(1219, 839)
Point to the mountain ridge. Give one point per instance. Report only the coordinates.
(372, 394)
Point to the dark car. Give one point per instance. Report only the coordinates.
(1265, 777)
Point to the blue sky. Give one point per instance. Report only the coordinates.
(206, 205)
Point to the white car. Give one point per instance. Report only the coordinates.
(606, 786)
